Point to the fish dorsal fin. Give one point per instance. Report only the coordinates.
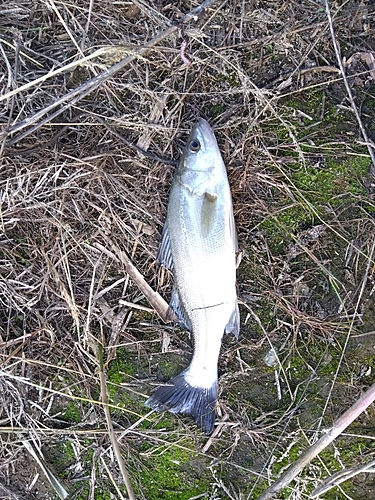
(233, 325)
(164, 256)
(176, 305)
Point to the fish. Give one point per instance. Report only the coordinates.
(199, 245)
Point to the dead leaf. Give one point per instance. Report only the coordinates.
(365, 57)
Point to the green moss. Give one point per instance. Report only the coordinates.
(129, 405)
(170, 365)
(279, 228)
(290, 456)
(215, 110)
(333, 184)
(122, 368)
(347, 452)
(122, 371)
(61, 456)
(314, 192)
(101, 494)
(164, 473)
(72, 413)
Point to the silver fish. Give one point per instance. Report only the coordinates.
(199, 245)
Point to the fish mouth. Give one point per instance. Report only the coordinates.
(204, 133)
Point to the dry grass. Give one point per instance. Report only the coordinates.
(76, 195)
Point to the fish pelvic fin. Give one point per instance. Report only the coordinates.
(164, 256)
(181, 397)
(233, 325)
(177, 306)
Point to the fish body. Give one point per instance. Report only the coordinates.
(199, 246)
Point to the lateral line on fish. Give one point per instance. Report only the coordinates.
(207, 307)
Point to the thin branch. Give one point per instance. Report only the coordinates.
(338, 427)
(36, 454)
(78, 62)
(341, 476)
(112, 435)
(114, 132)
(86, 88)
(154, 298)
(370, 145)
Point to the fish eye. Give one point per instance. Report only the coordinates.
(194, 146)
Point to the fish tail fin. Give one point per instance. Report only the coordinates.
(181, 397)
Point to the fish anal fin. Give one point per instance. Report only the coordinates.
(233, 325)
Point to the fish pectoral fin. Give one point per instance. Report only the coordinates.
(210, 196)
(209, 212)
(176, 305)
(233, 325)
(164, 255)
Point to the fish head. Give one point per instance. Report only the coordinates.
(201, 167)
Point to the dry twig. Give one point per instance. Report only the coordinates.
(112, 436)
(74, 96)
(369, 144)
(338, 427)
(341, 476)
(154, 298)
